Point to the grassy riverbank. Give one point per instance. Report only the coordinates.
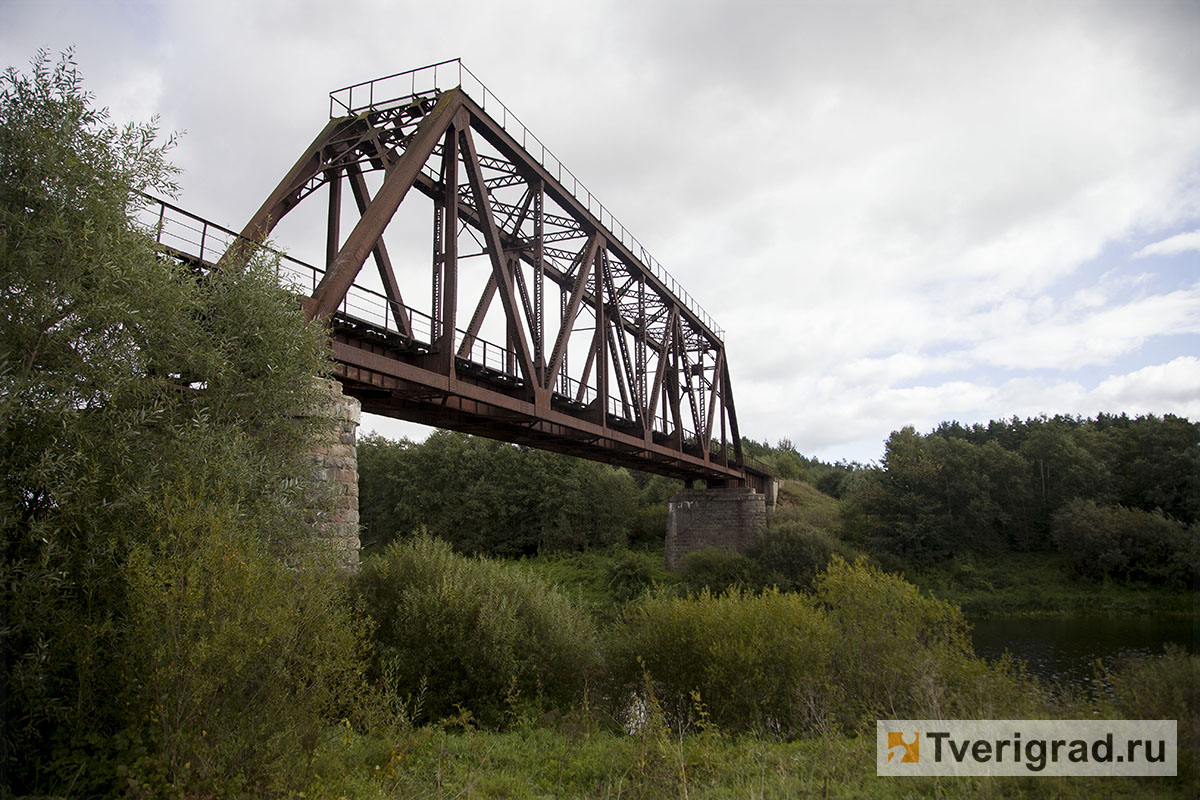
(566, 759)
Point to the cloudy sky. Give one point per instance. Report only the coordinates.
(899, 212)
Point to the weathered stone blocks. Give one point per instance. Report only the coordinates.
(335, 465)
(726, 518)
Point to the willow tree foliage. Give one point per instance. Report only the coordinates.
(151, 474)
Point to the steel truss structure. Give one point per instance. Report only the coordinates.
(620, 365)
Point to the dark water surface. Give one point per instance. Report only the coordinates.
(1065, 649)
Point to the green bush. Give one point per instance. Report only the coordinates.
(745, 662)
(863, 646)
(716, 570)
(1166, 687)
(472, 635)
(899, 654)
(628, 575)
(234, 659)
(648, 527)
(791, 554)
(1126, 543)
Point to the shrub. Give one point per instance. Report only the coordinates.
(471, 634)
(899, 654)
(648, 527)
(791, 554)
(233, 659)
(1126, 543)
(628, 575)
(748, 662)
(716, 570)
(864, 645)
(1167, 687)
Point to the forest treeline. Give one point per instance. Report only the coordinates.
(1117, 495)
(492, 498)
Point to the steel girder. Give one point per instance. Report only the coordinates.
(625, 372)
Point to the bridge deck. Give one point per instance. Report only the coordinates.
(390, 374)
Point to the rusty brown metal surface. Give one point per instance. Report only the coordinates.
(636, 372)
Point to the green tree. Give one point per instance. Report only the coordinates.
(490, 497)
(1127, 543)
(149, 456)
(1157, 465)
(1064, 465)
(899, 511)
(385, 469)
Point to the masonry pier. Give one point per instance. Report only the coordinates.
(727, 518)
(335, 464)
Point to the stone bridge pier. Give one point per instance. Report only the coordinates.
(335, 465)
(727, 518)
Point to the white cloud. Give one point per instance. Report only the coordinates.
(1179, 243)
(1065, 341)
(1159, 388)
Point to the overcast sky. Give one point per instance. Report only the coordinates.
(899, 212)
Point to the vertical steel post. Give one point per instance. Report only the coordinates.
(539, 281)
(439, 261)
(449, 308)
(599, 339)
(333, 230)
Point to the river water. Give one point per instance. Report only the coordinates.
(1064, 650)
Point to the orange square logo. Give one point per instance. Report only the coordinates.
(908, 750)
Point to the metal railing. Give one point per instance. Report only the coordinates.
(391, 90)
(207, 242)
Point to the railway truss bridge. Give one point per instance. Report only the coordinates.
(523, 312)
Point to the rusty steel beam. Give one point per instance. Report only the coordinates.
(587, 257)
(379, 382)
(284, 197)
(492, 199)
(387, 275)
(341, 274)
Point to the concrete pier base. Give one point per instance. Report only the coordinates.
(698, 519)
